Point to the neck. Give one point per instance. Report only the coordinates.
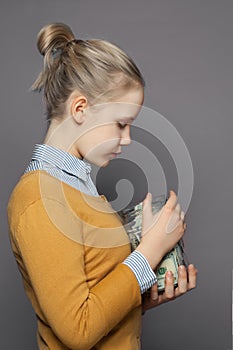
(63, 135)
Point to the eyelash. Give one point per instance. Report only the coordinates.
(122, 126)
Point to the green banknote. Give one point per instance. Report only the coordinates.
(132, 220)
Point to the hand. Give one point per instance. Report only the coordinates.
(186, 282)
(160, 232)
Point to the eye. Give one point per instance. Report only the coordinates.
(121, 125)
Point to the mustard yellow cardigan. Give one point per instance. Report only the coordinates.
(69, 249)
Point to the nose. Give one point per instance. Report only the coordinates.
(125, 136)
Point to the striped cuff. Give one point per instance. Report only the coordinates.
(142, 270)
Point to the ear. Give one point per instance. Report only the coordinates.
(78, 106)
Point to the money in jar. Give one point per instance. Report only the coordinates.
(131, 218)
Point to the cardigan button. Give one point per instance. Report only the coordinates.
(103, 197)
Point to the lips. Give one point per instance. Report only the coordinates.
(115, 154)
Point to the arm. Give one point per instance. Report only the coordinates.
(80, 316)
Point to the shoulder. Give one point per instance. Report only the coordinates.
(25, 192)
(32, 190)
(38, 201)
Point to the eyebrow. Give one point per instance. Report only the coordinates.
(127, 118)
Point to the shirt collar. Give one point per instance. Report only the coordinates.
(62, 160)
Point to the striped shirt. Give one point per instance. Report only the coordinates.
(76, 173)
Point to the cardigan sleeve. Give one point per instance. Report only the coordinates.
(55, 265)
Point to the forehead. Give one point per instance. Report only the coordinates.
(135, 96)
(124, 108)
(128, 105)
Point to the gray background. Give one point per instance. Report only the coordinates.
(184, 50)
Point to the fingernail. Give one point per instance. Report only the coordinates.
(182, 267)
(169, 274)
(154, 296)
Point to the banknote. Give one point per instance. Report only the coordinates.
(132, 220)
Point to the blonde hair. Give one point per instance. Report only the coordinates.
(98, 69)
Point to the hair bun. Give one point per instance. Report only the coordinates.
(53, 36)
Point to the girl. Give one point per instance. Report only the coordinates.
(87, 289)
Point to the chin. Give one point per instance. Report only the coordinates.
(103, 165)
(98, 164)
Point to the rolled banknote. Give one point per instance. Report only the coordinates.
(132, 220)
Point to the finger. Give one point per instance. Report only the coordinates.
(147, 202)
(192, 276)
(161, 299)
(169, 285)
(154, 292)
(182, 215)
(147, 213)
(182, 279)
(171, 202)
(168, 208)
(178, 209)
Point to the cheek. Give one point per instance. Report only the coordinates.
(101, 139)
(105, 133)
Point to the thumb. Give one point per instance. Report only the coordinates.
(147, 213)
(147, 202)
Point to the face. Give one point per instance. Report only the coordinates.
(107, 128)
